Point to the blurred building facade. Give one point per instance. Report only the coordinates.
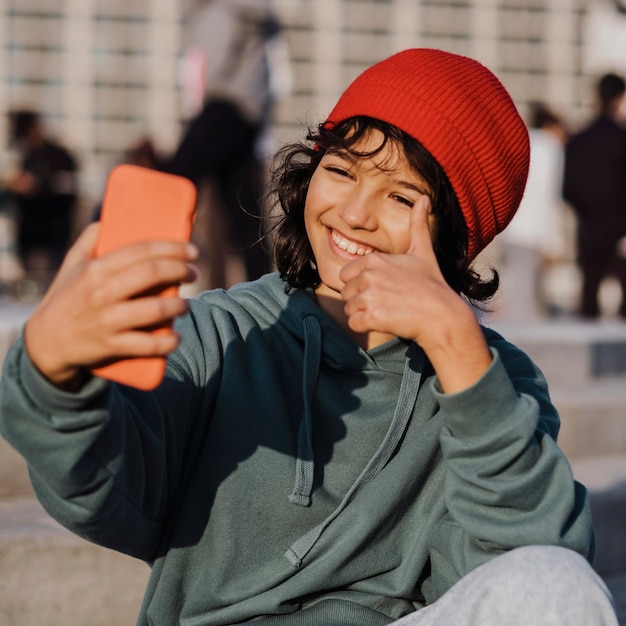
(105, 72)
(101, 72)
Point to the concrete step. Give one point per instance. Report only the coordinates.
(13, 315)
(14, 480)
(593, 417)
(605, 477)
(50, 577)
(600, 473)
(572, 352)
(585, 366)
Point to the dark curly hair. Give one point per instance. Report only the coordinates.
(295, 166)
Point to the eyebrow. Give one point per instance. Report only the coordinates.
(423, 189)
(346, 155)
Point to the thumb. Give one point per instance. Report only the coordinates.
(82, 250)
(85, 245)
(420, 239)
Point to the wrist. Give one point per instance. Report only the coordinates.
(44, 360)
(457, 350)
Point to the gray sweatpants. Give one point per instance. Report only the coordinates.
(529, 586)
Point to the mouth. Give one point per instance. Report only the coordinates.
(349, 246)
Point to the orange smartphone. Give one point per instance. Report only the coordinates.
(142, 204)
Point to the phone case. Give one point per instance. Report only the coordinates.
(141, 204)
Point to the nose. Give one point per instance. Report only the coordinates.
(358, 211)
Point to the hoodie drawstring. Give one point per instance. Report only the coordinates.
(305, 461)
(401, 418)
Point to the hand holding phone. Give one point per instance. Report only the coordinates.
(141, 204)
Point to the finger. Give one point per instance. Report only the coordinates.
(353, 269)
(358, 322)
(420, 242)
(360, 275)
(129, 256)
(86, 241)
(365, 314)
(140, 267)
(113, 281)
(83, 247)
(147, 265)
(136, 343)
(81, 251)
(142, 313)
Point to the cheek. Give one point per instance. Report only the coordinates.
(311, 203)
(310, 213)
(398, 234)
(311, 220)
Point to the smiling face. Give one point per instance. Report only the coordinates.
(359, 205)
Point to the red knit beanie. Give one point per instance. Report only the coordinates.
(461, 113)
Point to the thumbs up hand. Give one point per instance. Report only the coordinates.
(406, 295)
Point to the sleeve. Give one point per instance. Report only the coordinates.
(507, 483)
(106, 462)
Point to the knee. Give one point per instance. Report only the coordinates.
(545, 564)
(553, 583)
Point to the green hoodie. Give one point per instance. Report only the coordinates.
(281, 472)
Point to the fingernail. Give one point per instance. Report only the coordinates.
(195, 271)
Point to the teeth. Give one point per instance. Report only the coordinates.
(349, 246)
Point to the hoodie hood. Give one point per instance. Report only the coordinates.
(327, 345)
(271, 303)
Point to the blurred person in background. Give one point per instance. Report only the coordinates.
(45, 191)
(236, 48)
(595, 186)
(140, 152)
(535, 239)
(143, 152)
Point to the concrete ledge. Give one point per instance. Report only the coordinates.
(609, 518)
(14, 480)
(593, 418)
(600, 473)
(572, 352)
(13, 316)
(50, 577)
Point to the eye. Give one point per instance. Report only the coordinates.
(337, 170)
(404, 201)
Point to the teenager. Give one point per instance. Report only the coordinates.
(339, 442)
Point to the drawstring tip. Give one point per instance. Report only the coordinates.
(300, 499)
(293, 558)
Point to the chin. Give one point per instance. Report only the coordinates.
(331, 283)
